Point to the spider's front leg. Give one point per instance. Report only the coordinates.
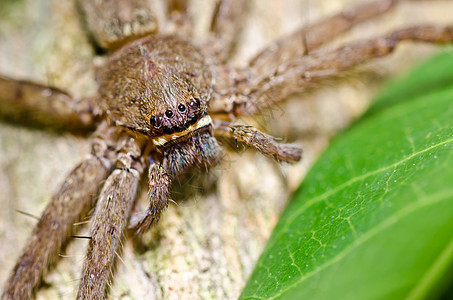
(199, 150)
(39, 105)
(72, 201)
(110, 220)
(159, 183)
(266, 144)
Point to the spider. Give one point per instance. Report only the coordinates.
(160, 132)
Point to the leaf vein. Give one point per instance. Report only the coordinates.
(405, 211)
(326, 194)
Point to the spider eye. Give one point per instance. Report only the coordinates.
(195, 103)
(181, 107)
(169, 113)
(152, 120)
(193, 120)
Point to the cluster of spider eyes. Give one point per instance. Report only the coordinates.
(192, 116)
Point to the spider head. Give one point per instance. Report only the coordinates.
(179, 121)
(178, 108)
(154, 88)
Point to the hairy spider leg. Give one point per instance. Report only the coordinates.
(74, 200)
(311, 37)
(110, 220)
(305, 72)
(267, 62)
(201, 150)
(159, 185)
(225, 25)
(43, 106)
(266, 144)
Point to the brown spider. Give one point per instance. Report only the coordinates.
(174, 132)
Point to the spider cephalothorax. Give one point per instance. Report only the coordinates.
(159, 86)
(162, 99)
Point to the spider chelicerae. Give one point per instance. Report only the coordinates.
(232, 97)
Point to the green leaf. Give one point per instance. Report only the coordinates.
(374, 217)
